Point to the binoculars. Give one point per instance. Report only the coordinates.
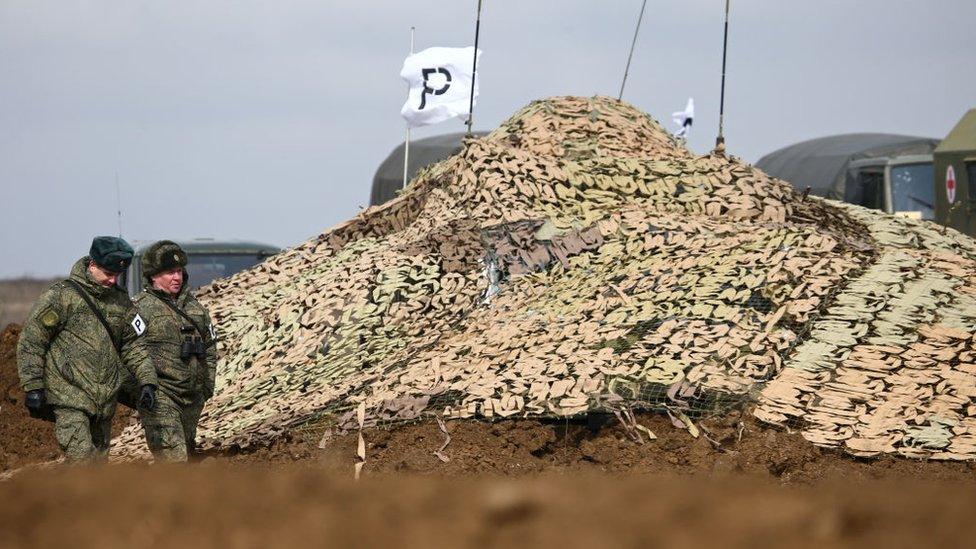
(192, 344)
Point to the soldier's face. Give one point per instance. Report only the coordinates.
(169, 281)
(101, 276)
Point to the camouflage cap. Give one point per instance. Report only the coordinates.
(162, 256)
(111, 253)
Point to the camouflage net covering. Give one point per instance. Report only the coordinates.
(891, 366)
(579, 259)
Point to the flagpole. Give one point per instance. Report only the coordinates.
(631, 54)
(720, 140)
(406, 142)
(474, 68)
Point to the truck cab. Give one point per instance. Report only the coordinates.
(901, 185)
(207, 260)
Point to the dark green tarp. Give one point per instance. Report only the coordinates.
(423, 152)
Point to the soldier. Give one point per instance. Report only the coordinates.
(79, 335)
(182, 340)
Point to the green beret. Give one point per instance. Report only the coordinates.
(111, 253)
(162, 256)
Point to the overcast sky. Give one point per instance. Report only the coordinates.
(266, 120)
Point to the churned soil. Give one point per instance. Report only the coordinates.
(23, 440)
(731, 446)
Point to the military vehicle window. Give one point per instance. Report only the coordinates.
(204, 268)
(872, 186)
(913, 189)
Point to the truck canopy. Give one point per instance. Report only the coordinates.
(823, 164)
(423, 152)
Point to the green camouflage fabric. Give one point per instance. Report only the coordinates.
(182, 381)
(65, 349)
(171, 429)
(80, 437)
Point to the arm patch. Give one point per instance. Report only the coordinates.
(49, 317)
(139, 325)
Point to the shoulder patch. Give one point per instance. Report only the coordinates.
(49, 317)
(138, 324)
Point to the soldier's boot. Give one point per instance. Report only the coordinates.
(191, 417)
(101, 431)
(73, 430)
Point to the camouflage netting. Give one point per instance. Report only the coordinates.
(579, 259)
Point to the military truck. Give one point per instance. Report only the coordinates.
(917, 177)
(892, 173)
(207, 260)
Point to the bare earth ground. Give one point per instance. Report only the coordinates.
(522, 482)
(210, 505)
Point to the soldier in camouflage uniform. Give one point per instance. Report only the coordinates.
(182, 340)
(71, 364)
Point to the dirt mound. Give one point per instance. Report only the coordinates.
(246, 508)
(23, 439)
(732, 446)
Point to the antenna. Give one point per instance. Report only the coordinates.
(474, 69)
(720, 140)
(630, 56)
(118, 201)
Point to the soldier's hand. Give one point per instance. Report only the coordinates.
(147, 400)
(35, 400)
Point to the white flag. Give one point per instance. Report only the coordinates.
(440, 85)
(684, 119)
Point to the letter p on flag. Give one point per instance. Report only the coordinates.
(440, 82)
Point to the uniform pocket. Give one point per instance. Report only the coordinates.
(66, 371)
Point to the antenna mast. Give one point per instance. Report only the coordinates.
(118, 201)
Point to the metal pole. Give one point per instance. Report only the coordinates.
(474, 68)
(406, 142)
(720, 140)
(631, 54)
(118, 201)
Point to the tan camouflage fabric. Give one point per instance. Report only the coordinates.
(577, 259)
(65, 350)
(890, 367)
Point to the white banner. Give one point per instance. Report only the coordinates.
(440, 85)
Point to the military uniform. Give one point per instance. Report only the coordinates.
(65, 352)
(181, 338)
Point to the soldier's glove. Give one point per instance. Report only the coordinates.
(36, 400)
(37, 408)
(147, 399)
